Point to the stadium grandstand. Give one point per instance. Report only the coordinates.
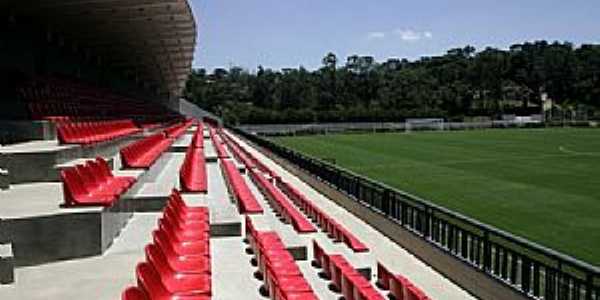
(114, 187)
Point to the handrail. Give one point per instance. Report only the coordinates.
(534, 270)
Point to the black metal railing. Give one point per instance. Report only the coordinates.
(532, 269)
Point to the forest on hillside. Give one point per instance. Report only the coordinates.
(462, 83)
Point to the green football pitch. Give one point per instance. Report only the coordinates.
(541, 184)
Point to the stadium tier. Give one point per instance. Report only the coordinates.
(113, 186)
(56, 99)
(163, 240)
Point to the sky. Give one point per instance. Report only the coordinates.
(290, 33)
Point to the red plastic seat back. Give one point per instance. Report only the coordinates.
(383, 276)
(149, 280)
(158, 260)
(86, 177)
(96, 171)
(73, 186)
(103, 164)
(161, 240)
(134, 293)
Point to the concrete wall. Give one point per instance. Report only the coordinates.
(4, 179)
(28, 130)
(40, 166)
(191, 110)
(44, 239)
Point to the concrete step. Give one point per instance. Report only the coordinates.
(35, 161)
(4, 179)
(7, 259)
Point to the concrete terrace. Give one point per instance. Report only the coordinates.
(106, 275)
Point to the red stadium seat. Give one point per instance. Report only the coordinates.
(175, 131)
(344, 277)
(150, 280)
(218, 143)
(282, 204)
(144, 153)
(247, 203)
(181, 248)
(383, 276)
(94, 132)
(93, 184)
(335, 230)
(77, 192)
(134, 293)
(177, 201)
(198, 138)
(281, 275)
(192, 175)
(173, 211)
(182, 234)
(178, 264)
(104, 170)
(399, 286)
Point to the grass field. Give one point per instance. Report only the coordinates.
(542, 184)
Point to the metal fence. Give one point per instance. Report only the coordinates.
(527, 267)
(326, 128)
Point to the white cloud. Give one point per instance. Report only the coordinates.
(409, 35)
(376, 35)
(406, 35)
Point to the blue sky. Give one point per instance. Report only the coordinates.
(289, 33)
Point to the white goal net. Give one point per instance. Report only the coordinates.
(424, 124)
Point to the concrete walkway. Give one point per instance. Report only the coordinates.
(103, 276)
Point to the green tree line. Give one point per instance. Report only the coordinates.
(462, 83)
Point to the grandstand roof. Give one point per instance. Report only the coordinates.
(154, 39)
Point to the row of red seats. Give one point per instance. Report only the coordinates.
(327, 223)
(175, 131)
(67, 111)
(192, 175)
(240, 155)
(93, 184)
(178, 262)
(50, 97)
(218, 144)
(282, 278)
(344, 277)
(93, 132)
(143, 153)
(52, 111)
(281, 204)
(399, 286)
(198, 137)
(74, 111)
(254, 162)
(246, 202)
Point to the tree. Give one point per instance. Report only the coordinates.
(461, 83)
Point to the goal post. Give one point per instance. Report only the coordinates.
(420, 124)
